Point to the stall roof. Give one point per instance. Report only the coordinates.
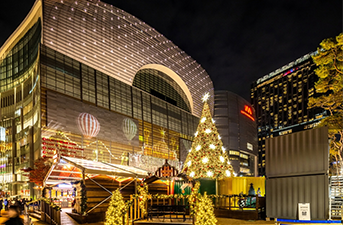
(68, 169)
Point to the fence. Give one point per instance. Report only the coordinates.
(49, 214)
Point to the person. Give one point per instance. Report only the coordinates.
(252, 190)
(13, 215)
(1, 205)
(6, 204)
(259, 193)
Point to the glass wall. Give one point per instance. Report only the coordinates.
(69, 91)
(20, 112)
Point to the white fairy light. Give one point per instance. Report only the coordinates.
(205, 160)
(223, 149)
(203, 120)
(189, 163)
(198, 148)
(212, 146)
(209, 173)
(222, 159)
(207, 131)
(228, 173)
(192, 174)
(228, 162)
(196, 134)
(189, 150)
(219, 137)
(213, 121)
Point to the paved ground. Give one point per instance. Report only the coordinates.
(67, 220)
(227, 221)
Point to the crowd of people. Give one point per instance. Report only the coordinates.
(11, 211)
(20, 203)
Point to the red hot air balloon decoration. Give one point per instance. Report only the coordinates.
(88, 125)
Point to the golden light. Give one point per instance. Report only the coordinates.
(205, 160)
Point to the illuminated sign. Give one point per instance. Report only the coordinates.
(248, 112)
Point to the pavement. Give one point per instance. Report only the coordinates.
(67, 220)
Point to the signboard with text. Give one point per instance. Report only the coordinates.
(304, 211)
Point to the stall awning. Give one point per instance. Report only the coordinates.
(68, 169)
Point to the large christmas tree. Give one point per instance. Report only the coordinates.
(207, 158)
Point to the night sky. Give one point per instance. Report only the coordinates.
(236, 41)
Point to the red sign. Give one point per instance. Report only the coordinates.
(248, 112)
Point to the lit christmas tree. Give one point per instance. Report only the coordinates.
(116, 210)
(204, 211)
(207, 158)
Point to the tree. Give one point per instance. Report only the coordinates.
(329, 60)
(207, 157)
(116, 210)
(38, 173)
(204, 211)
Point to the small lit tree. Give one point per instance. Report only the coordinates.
(116, 210)
(204, 211)
(207, 157)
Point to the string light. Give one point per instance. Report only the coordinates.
(196, 134)
(209, 173)
(221, 158)
(203, 120)
(207, 131)
(205, 160)
(198, 148)
(212, 146)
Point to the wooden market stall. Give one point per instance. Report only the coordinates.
(93, 183)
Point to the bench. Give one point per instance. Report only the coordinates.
(162, 210)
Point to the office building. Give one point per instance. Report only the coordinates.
(280, 100)
(235, 120)
(82, 78)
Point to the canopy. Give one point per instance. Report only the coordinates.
(68, 169)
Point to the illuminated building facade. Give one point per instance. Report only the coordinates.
(86, 79)
(235, 120)
(280, 100)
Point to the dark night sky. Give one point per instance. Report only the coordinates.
(236, 41)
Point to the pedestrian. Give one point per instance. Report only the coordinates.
(13, 214)
(1, 202)
(6, 204)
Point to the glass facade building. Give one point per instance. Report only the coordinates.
(85, 79)
(280, 100)
(235, 120)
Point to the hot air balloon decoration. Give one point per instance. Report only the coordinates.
(88, 125)
(129, 129)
